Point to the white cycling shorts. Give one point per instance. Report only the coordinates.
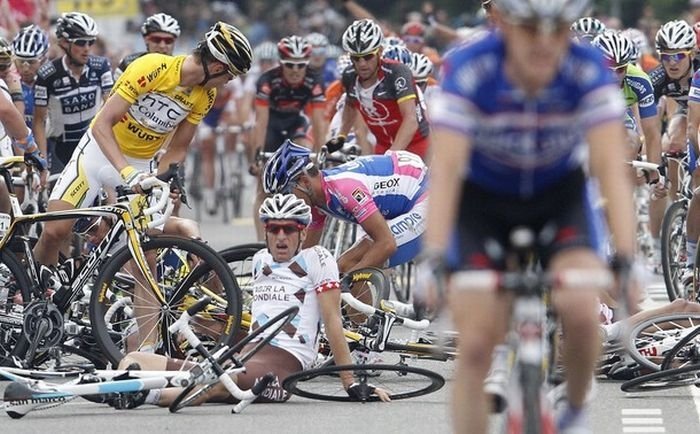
(88, 171)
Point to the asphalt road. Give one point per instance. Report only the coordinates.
(613, 411)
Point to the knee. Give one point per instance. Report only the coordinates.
(55, 231)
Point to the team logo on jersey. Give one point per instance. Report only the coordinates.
(142, 81)
(78, 102)
(400, 84)
(359, 195)
(157, 112)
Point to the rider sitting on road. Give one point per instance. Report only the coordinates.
(282, 267)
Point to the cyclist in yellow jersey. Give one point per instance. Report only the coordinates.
(150, 101)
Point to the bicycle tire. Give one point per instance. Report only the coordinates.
(530, 385)
(646, 339)
(282, 319)
(15, 279)
(662, 380)
(217, 325)
(327, 379)
(672, 245)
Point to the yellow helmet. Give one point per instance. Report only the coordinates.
(229, 46)
(5, 49)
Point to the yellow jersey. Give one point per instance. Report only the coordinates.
(158, 103)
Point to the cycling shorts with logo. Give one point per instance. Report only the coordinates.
(88, 171)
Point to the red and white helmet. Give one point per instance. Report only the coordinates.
(294, 47)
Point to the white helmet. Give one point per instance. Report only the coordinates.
(587, 27)
(30, 42)
(421, 67)
(675, 35)
(615, 47)
(638, 38)
(362, 36)
(548, 10)
(285, 207)
(266, 51)
(75, 25)
(317, 39)
(390, 41)
(228, 45)
(161, 22)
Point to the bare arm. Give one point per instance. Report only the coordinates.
(446, 168)
(177, 147)
(329, 304)
(113, 110)
(39, 127)
(409, 124)
(651, 127)
(12, 119)
(348, 118)
(384, 243)
(607, 151)
(262, 117)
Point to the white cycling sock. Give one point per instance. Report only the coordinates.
(153, 397)
(612, 331)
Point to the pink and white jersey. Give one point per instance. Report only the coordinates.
(391, 184)
(278, 286)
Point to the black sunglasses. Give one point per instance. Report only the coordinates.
(367, 57)
(83, 42)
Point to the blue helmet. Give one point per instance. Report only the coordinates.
(398, 53)
(30, 42)
(285, 166)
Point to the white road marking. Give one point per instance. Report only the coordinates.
(642, 421)
(643, 429)
(641, 411)
(641, 424)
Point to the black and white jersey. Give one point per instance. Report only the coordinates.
(72, 103)
(125, 62)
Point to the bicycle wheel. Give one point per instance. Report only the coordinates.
(240, 261)
(661, 380)
(400, 381)
(186, 397)
(673, 255)
(15, 294)
(369, 285)
(650, 340)
(684, 353)
(126, 315)
(531, 385)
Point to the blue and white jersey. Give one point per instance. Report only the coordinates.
(72, 103)
(279, 286)
(392, 184)
(28, 94)
(522, 144)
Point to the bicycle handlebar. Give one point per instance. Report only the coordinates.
(489, 280)
(371, 310)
